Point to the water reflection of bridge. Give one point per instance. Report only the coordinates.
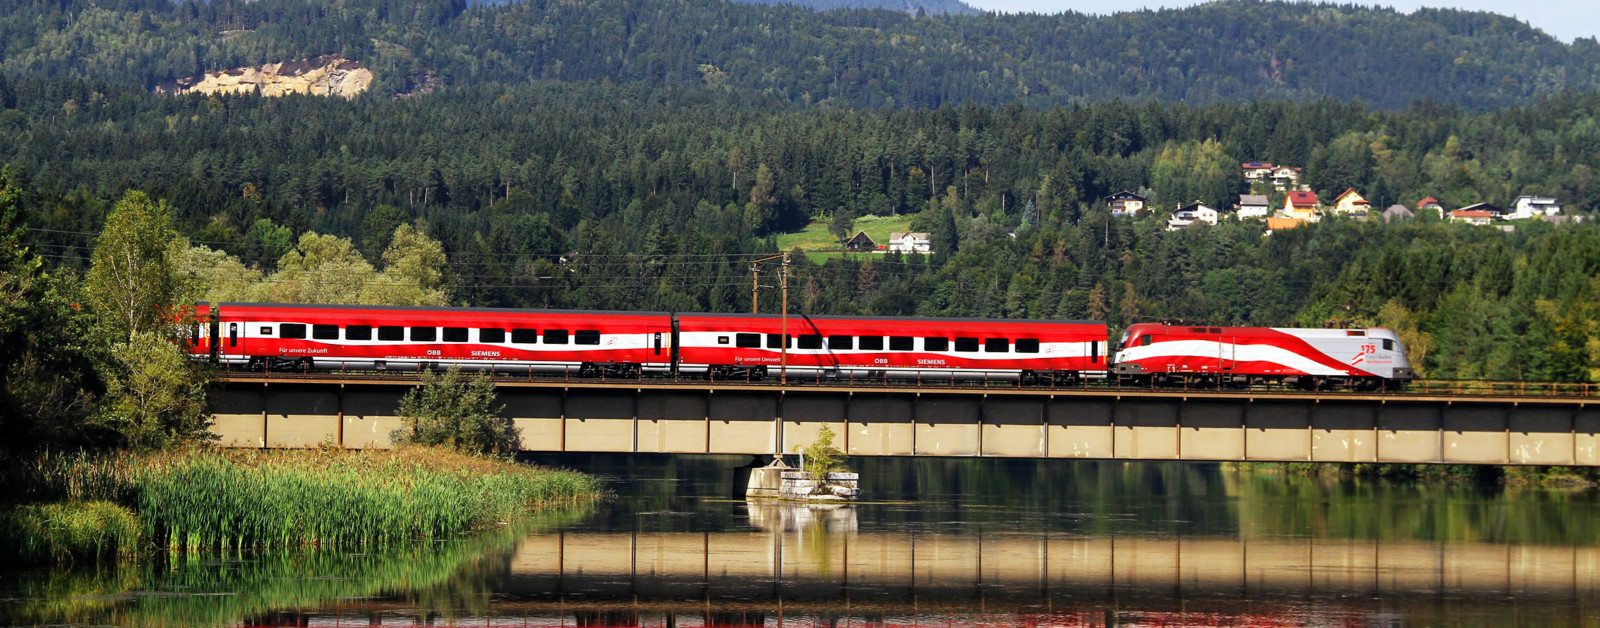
(829, 562)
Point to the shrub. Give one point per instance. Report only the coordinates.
(821, 456)
(458, 412)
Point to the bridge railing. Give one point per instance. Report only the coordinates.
(1432, 388)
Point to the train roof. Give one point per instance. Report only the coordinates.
(914, 319)
(499, 310)
(431, 309)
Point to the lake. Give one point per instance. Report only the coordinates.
(939, 542)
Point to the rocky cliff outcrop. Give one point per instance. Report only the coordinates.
(327, 75)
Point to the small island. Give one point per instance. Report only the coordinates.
(821, 477)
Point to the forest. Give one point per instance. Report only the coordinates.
(655, 197)
(1229, 51)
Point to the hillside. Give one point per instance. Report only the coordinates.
(1220, 52)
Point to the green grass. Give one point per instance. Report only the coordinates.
(253, 499)
(815, 237)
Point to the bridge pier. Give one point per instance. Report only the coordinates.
(702, 418)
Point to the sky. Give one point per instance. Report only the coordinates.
(1563, 19)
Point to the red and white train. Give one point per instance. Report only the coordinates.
(269, 336)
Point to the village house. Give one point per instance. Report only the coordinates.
(1431, 203)
(1533, 207)
(1282, 224)
(860, 242)
(1253, 206)
(1258, 171)
(1494, 212)
(1473, 216)
(1126, 203)
(1301, 206)
(1189, 214)
(1286, 178)
(910, 242)
(1397, 212)
(1351, 203)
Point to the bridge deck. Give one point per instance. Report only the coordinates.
(660, 416)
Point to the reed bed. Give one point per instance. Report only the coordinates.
(207, 499)
(69, 530)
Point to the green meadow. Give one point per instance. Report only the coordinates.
(818, 244)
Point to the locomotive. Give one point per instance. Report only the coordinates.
(1164, 354)
(292, 337)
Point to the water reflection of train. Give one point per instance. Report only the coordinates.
(724, 346)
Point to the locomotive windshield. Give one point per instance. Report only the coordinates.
(1122, 342)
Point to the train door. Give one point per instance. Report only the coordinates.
(233, 341)
(658, 349)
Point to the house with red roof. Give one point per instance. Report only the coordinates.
(1472, 216)
(1301, 205)
(1432, 204)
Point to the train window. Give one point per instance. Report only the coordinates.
(491, 334)
(524, 336)
(292, 330)
(233, 334)
(1216, 330)
(996, 345)
(586, 337)
(1027, 345)
(902, 343)
(555, 336)
(871, 343)
(966, 344)
(358, 332)
(1145, 341)
(841, 342)
(424, 334)
(392, 333)
(775, 341)
(811, 341)
(1197, 330)
(1388, 345)
(194, 334)
(455, 334)
(935, 344)
(325, 332)
(747, 341)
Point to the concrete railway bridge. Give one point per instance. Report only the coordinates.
(1496, 425)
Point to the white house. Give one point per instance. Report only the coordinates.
(1286, 178)
(910, 242)
(1190, 214)
(1533, 207)
(1258, 171)
(1253, 206)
